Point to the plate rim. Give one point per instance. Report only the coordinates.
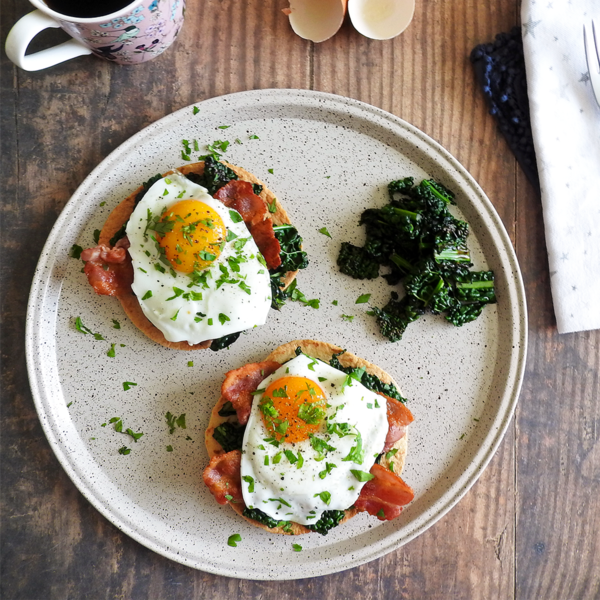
(520, 329)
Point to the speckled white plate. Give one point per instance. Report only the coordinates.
(331, 157)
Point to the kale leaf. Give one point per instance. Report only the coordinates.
(230, 436)
(293, 258)
(224, 342)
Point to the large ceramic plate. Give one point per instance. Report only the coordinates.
(331, 157)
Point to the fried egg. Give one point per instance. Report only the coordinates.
(198, 274)
(312, 437)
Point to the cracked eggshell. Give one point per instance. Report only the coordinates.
(381, 19)
(316, 20)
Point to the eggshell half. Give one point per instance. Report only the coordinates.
(316, 20)
(381, 19)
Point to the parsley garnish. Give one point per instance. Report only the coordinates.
(311, 413)
(363, 299)
(111, 352)
(349, 318)
(76, 251)
(223, 318)
(147, 295)
(325, 497)
(195, 110)
(327, 471)
(128, 384)
(362, 476)
(356, 453)
(234, 539)
(324, 231)
(169, 448)
(124, 450)
(116, 324)
(173, 421)
(250, 481)
(83, 329)
(297, 547)
(235, 216)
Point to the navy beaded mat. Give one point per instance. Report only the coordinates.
(500, 70)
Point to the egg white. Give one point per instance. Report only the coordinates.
(177, 315)
(364, 410)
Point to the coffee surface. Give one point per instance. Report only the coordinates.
(87, 9)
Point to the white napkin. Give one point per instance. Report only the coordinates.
(565, 120)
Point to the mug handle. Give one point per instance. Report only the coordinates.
(25, 29)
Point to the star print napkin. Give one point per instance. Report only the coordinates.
(565, 121)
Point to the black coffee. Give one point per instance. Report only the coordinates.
(87, 9)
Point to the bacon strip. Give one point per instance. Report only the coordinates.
(387, 492)
(240, 383)
(240, 196)
(399, 417)
(222, 477)
(102, 253)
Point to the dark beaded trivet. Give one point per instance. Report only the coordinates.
(500, 71)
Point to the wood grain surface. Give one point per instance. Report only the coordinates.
(528, 529)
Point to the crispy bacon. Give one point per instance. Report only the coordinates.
(240, 383)
(240, 196)
(222, 477)
(102, 253)
(384, 495)
(399, 417)
(109, 270)
(267, 243)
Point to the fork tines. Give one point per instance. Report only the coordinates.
(592, 55)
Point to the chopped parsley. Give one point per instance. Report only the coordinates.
(324, 231)
(173, 422)
(363, 299)
(297, 547)
(250, 481)
(362, 476)
(327, 470)
(83, 329)
(235, 216)
(348, 318)
(124, 450)
(128, 385)
(325, 497)
(75, 251)
(311, 413)
(234, 539)
(96, 235)
(195, 110)
(111, 352)
(169, 448)
(116, 324)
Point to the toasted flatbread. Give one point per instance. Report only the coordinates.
(121, 214)
(324, 352)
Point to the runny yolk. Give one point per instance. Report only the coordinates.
(191, 233)
(293, 407)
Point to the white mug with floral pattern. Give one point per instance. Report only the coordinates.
(136, 33)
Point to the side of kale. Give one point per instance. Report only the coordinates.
(425, 247)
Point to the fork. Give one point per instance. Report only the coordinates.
(592, 55)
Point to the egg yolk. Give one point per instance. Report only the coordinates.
(292, 408)
(191, 234)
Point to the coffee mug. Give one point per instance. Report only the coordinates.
(132, 33)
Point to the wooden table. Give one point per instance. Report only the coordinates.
(530, 527)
